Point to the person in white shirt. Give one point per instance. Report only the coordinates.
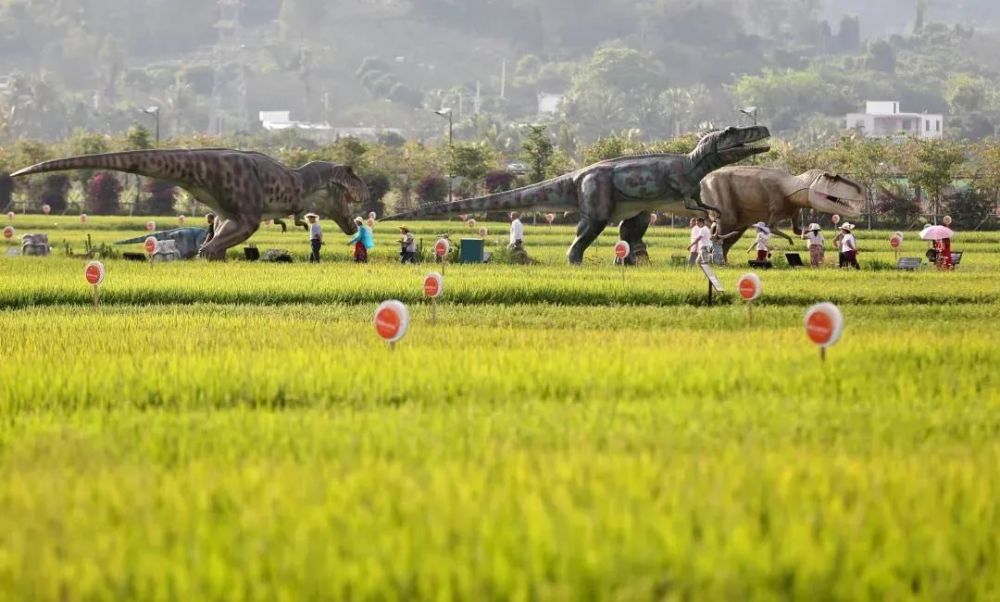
(693, 247)
(814, 235)
(701, 241)
(849, 247)
(516, 231)
(315, 236)
(763, 237)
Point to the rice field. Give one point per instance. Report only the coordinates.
(236, 431)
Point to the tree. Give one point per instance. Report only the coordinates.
(537, 150)
(965, 93)
(931, 164)
(471, 160)
(162, 196)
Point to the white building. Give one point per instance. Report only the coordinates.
(275, 121)
(883, 118)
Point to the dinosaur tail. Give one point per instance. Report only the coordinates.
(175, 165)
(552, 195)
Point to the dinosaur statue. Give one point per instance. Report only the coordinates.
(242, 187)
(747, 195)
(187, 240)
(626, 189)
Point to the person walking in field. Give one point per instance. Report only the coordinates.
(849, 247)
(702, 241)
(408, 246)
(315, 236)
(516, 231)
(838, 243)
(693, 247)
(210, 220)
(363, 241)
(761, 241)
(814, 236)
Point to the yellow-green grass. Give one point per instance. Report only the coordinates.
(236, 431)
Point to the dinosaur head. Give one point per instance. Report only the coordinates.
(835, 194)
(335, 188)
(733, 144)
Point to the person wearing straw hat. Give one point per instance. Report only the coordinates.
(814, 234)
(315, 236)
(763, 237)
(408, 246)
(849, 246)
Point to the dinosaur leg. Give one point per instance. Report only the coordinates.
(729, 241)
(229, 233)
(284, 226)
(300, 223)
(587, 232)
(596, 200)
(631, 231)
(783, 235)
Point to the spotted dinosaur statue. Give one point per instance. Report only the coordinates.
(242, 187)
(747, 195)
(625, 189)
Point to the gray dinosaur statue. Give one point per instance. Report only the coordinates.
(747, 195)
(187, 240)
(242, 187)
(625, 189)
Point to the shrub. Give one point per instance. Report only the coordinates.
(56, 188)
(969, 209)
(103, 194)
(432, 189)
(162, 196)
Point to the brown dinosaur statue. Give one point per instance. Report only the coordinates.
(242, 187)
(747, 195)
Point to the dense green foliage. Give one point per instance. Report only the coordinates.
(660, 68)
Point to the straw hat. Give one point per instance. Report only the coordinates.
(847, 226)
(762, 226)
(813, 227)
(308, 215)
(404, 228)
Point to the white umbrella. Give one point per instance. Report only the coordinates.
(932, 232)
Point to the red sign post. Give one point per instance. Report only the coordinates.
(180, 219)
(83, 218)
(750, 289)
(150, 226)
(622, 250)
(895, 242)
(46, 209)
(441, 249)
(94, 274)
(824, 325)
(652, 219)
(550, 217)
(391, 321)
(433, 289)
(483, 232)
(8, 232)
(471, 223)
(10, 216)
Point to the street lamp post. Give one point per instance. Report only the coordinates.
(447, 112)
(155, 112)
(751, 112)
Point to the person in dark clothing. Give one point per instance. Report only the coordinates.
(315, 236)
(210, 218)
